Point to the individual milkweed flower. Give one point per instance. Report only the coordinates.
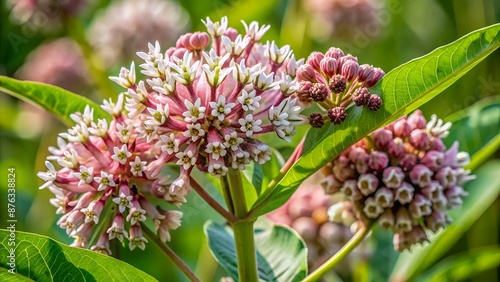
(335, 81)
(204, 102)
(409, 190)
(101, 180)
(307, 211)
(116, 41)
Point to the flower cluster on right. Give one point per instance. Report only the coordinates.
(403, 176)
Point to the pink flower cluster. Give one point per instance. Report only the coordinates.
(205, 108)
(101, 183)
(335, 81)
(196, 108)
(403, 176)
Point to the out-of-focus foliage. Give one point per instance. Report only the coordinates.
(385, 33)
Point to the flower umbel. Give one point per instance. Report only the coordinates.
(403, 176)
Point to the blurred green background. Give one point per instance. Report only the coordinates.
(383, 33)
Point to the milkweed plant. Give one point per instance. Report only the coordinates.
(194, 114)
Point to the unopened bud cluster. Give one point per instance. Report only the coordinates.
(307, 212)
(335, 81)
(403, 176)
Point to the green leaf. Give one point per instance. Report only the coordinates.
(281, 253)
(482, 192)
(403, 90)
(39, 258)
(59, 102)
(483, 119)
(464, 266)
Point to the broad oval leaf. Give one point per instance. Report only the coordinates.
(281, 253)
(59, 102)
(483, 120)
(482, 192)
(403, 90)
(39, 258)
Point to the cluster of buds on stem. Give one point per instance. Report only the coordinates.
(402, 176)
(336, 81)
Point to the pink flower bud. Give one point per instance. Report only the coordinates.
(433, 160)
(393, 177)
(402, 222)
(337, 84)
(371, 208)
(417, 120)
(404, 194)
(318, 92)
(350, 69)
(436, 220)
(408, 161)
(436, 144)
(446, 176)
(337, 115)
(361, 97)
(384, 197)
(366, 72)
(315, 60)
(374, 103)
(401, 128)
(377, 75)
(419, 139)
(330, 184)
(382, 138)
(342, 169)
(231, 33)
(306, 73)
(350, 190)
(420, 206)
(367, 183)
(328, 66)
(396, 148)
(199, 40)
(378, 161)
(421, 175)
(334, 53)
(386, 220)
(454, 195)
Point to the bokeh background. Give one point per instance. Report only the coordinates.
(77, 44)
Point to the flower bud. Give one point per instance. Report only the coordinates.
(401, 128)
(384, 197)
(334, 52)
(365, 73)
(361, 97)
(350, 69)
(199, 40)
(337, 115)
(316, 120)
(393, 177)
(420, 206)
(433, 159)
(306, 73)
(416, 120)
(386, 220)
(367, 183)
(402, 221)
(396, 148)
(378, 161)
(337, 84)
(404, 194)
(231, 33)
(377, 75)
(382, 138)
(350, 190)
(419, 139)
(315, 60)
(328, 66)
(318, 92)
(374, 103)
(408, 161)
(371, 208)
(421, 175)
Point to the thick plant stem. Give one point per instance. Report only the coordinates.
(245, 251)
(242, 228)
(170, 254)
(211, 201)
(340, 255)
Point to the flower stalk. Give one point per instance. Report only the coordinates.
(340, 255)
(170, 254)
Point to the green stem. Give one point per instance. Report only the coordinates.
(235, 185)
(211, 201)
(92, 60)
(245, 251)
(340, 255)
(170, 254)
(242, 228)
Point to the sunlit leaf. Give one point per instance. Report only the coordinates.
(464, 266)
(39, 258)
(403, 90)
(482, 192)
(59, 102)
(281, 253)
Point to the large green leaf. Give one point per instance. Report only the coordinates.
(483, 120)
(281, 253)
(61, 103)
(39, 258)
(482, 192)
(403, 90)
(464, 265)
